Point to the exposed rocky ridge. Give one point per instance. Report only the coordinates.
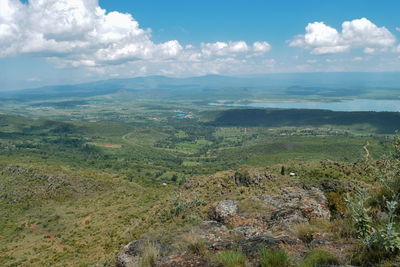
(227, 226)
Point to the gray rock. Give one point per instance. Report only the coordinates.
(223, 210)
(252, 245)
(296, 205)
(129, 256)
(213, 231)
(248, 179)
(287, 217)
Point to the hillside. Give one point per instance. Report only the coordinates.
(202, 190)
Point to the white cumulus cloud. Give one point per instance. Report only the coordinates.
(76, 30)
(261, 47)
(233, 48)
(359, 33)
(81, 33)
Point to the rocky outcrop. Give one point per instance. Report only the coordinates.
(252, 245)
(213, 231)
(296, 205)
(232, 229)
(246, 178)
(129, 256)
(223, 210)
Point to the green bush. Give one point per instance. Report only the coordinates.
(336, 204)
(180, 206)
(231, 258)
(318, 257)
(274, 258)
(357, 204)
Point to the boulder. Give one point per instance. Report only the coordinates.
(223, 210)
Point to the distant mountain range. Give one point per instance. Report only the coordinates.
(212, 82)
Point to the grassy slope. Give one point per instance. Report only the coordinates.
(83, 225)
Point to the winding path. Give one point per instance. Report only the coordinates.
(367, 154)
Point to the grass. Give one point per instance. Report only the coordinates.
(318, 257)
(343, 228)
(274, 258)
(149, 255)
(251, 205)
(231, 258)
(81, 228)
(194, 243)
(305, 232)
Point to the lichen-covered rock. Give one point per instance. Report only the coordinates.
(296, 205)
(247, 178)
(252, 245)
(287, 217)
(223, 210)
(213, 231)
(129, 256)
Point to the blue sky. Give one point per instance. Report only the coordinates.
(277, 21)
(69, 41)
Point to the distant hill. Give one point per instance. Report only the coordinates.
(382, 122)
(304, 83)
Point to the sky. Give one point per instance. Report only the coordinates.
(46, 42)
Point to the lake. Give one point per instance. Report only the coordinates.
(344, 105)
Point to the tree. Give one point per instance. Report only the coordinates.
(283, 170)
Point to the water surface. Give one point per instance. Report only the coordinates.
(345, 105)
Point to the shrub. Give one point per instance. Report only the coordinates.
(388, 237)
(149, 256)
(383, 243)
(357, 205)
(231, 258)
(318, 257)
(336, 204)
(274, 258)
(180, 206)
